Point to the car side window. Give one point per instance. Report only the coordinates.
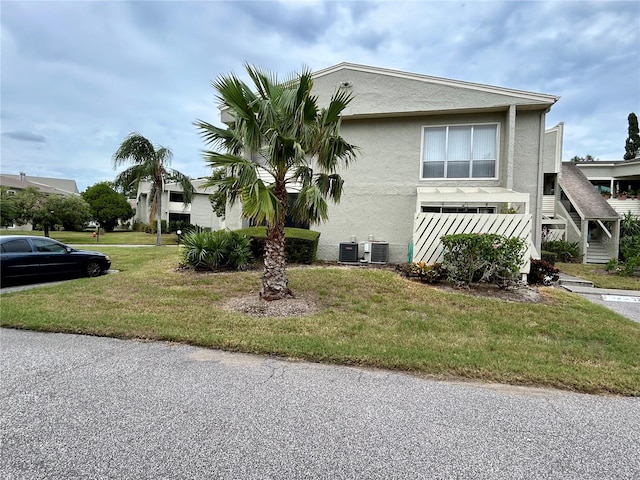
(20, 245)
(47, 246)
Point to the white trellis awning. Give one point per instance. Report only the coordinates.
(466, 195)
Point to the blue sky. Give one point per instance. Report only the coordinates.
(78, 76)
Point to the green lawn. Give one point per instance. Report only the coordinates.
(599, 277)
(109, 238)
(368, 317)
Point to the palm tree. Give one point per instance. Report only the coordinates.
(149, 164)
(277, 128)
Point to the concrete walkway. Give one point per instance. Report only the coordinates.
(624, 302)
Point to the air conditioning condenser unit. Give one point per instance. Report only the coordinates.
(348, 252)
(379, 252)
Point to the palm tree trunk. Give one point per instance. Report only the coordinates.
(274, 278)
(159, 216)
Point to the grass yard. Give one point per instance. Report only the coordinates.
(599, 277)
(109, 238)
(367, 317)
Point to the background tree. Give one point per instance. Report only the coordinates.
(632, 145)
(8, 208)
(27, 202)
(279, 128)
(107, 205)
(149, 164)
(588, 158)
(218, 199)
(71, 213)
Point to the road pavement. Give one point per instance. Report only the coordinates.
(624, 302)
(77, 407)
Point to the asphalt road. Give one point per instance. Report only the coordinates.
(97, 408)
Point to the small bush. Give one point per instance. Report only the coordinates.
(630, 254)
(566, 251)
(428, 273)
(301, 245)
(612, 266)
(471, 257)
(139, 226)
(550, 257)
(222, 249)
(183, 226)
(542, 273)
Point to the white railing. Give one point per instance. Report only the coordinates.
(549, 205)
(623, 206)
(179, 207)
(430, 227)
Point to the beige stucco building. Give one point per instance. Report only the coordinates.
(437, 156)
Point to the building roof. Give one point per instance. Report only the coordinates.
(59, 186)
(522, 94)
(583, 194)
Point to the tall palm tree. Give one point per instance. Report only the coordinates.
(149, 164)
(277, 127)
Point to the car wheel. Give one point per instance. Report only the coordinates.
(93, 269)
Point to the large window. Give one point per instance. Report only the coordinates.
(176, 197)
(467, 151)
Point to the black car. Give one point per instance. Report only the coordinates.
(32, 257)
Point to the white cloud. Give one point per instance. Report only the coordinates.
(83, 75)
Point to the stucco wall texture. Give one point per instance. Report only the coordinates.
(379, 198)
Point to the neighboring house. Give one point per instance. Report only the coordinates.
(46, 185)
(618, 181)
(584, 201)
(198, 212)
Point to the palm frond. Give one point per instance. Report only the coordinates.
(260, 203)
(129, 179)
(188, 191)
(310, 205)
(302, 174)
(330, 185)
(134, 149)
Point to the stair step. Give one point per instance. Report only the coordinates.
(575, 282)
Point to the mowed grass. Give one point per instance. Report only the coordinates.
(366, 317)
(117, 237)
(599, 277)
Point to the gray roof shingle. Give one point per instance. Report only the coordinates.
(584, 195)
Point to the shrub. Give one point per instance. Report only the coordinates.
(222, 249)
(301, 245)
(139, 226)
(612, 266)
(550, 257)
(629, 226)
(630, 254)
(429, 273)
(542, 273)
(565, 251)
(183, 226)
(471, 257)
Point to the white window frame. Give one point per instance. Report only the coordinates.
(447, 126)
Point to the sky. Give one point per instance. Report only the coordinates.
(77, 77)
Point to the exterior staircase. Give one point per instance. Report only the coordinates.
(569, 281)
(576, 219)
(596, 253)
